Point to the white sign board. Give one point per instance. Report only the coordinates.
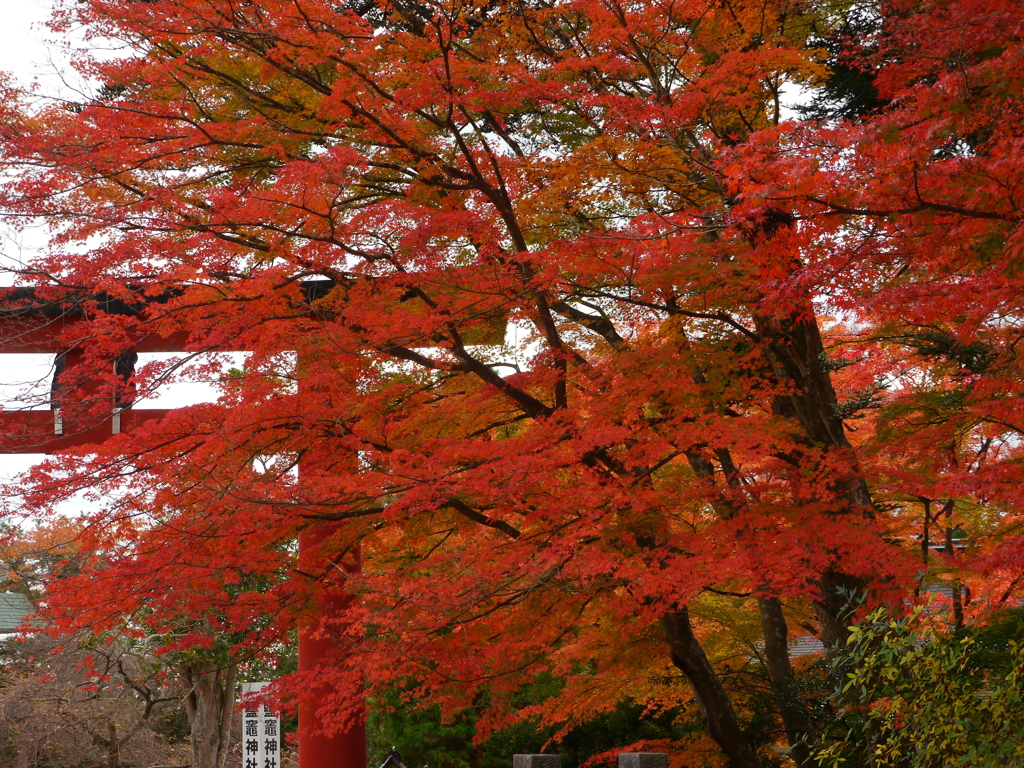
(261, 731)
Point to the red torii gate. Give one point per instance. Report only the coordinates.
(29, 325)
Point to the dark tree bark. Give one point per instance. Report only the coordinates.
(209, 704)
(113, 748)
(780, 671)
(773, 621)
(796, 354)
(712, 698)
(950, 547)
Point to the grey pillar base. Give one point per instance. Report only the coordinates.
(536, 761)
(643, 760)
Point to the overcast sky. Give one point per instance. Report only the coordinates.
(22, 49)
(24, 55)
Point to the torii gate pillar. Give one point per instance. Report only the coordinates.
(341, 750)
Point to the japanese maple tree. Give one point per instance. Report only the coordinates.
(745, 355)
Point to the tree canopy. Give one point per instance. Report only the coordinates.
(755, 361)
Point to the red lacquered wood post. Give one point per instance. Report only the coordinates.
(342, 750)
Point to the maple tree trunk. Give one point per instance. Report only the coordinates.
(797, 356)
(834, 607)
(714, 702)
(113, 753)
(208, 705)
(926, 530)
(110, 744)
(773, 621)
(957, 596)
(780, 670)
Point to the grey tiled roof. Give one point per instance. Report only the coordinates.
(805, 645)
(14, 607)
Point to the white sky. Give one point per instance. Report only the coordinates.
(24, 55)
(22, 50)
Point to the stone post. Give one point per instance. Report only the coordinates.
(536, 761)
(643, 760)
